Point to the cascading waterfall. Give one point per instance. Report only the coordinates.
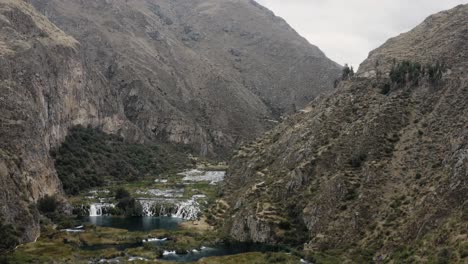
(188, 210)
(99, 209)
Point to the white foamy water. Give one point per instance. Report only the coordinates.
(154, 240)
(169, 193)
(165, 253)
(198, 175)
(77, 229)
(97, 209)
(188, 209)
(160, 181)
(137, 259)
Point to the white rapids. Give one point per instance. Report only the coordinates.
(195, 175)
(188, 209)
(97, 209)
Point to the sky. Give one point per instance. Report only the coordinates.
(347, 30)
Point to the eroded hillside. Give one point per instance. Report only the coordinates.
(378, 170)
(204, 73)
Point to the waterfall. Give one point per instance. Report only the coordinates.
(99, 209)
(147, 207)
(93, 210)
(188, 210)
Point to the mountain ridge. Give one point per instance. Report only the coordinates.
(376, 171)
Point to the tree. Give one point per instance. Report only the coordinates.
(48, 204)
(348, 72)
(121, 193)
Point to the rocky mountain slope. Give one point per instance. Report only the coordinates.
(377, 170)
(206, 73)
(45, 89)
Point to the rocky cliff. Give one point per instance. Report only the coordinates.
(45, 89)
(205, 73)
(376, 171)
(208, 74)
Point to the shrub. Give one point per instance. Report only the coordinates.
(347, 73)
(464, 250)
(48, 204)
(9, 237)
(121, 193)
(285, 225)
(444, 256)
(407, 72)
(357, 159)
(418, 176)
(385, 89)
(129, 207)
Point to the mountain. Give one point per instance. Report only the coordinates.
(207, 74)
(204, 73)
(375, 171)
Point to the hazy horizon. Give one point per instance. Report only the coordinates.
(348, 31)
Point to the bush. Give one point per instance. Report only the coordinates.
(444, 256)
(407, 72)
(385, 89)
(464, 250)
(9, 237)
(48, 204)
(357, 159)
(129, 207)
(121, 193)
(347, 73)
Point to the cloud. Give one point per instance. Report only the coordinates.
(348, 30)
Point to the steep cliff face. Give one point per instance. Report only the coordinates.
(203, 73)
(44, 90)
(40, 72)
(375, 170)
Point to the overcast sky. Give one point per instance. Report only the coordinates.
(347, 30)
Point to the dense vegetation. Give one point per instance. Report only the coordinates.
(90, 158)
(126, 205)
(47, 204)
(411, 73)
(52, 211)
(9, 237)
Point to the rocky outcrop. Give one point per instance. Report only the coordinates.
(204, 73)
(377, 170)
